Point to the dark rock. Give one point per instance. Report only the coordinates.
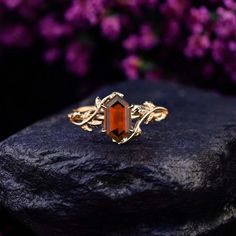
(178, 178)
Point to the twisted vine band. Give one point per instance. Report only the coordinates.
(120, 120)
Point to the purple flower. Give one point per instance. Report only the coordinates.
(232, 46)
(199, 17)
(197, 45)
(226, 23)
(111, 27)
(77, 58)
(74, 12)
(174, 8)
(24, 8)
(51, 30)
(147, 40)
(12, 3)
(16, 36)
(131, 43)
(217, 50)
(131, 66)
(52, 54)
(88, 11)
(230, 4)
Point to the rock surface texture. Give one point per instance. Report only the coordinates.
(178, 178)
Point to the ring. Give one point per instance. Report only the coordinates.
(120, 120)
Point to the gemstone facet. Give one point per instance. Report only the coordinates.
(117, 118)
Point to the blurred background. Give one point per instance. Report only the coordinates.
(54, 53)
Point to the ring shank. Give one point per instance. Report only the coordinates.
(161, 110)
(85, 108)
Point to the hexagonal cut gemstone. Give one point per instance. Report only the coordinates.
(117, 118)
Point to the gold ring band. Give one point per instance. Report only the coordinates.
(117, 115)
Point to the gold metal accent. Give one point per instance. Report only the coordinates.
(90, 117)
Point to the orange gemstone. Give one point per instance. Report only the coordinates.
(117, 118)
